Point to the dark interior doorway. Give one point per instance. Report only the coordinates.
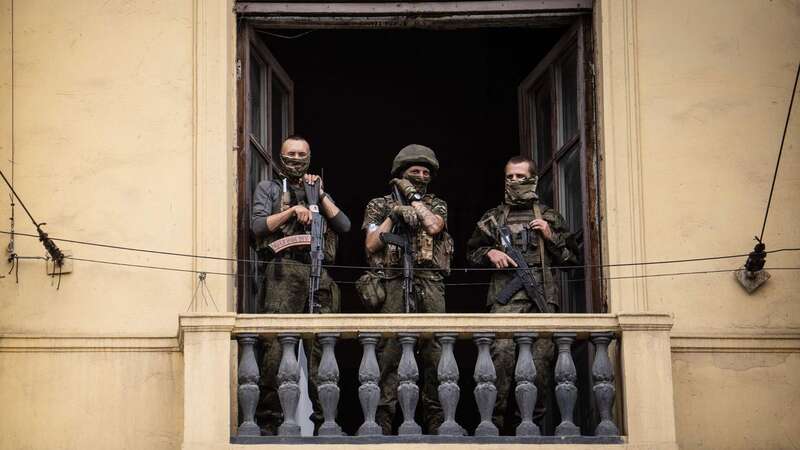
(361, 95)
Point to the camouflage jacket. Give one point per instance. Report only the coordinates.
(431, 251)
(268, 200)
(486, 237)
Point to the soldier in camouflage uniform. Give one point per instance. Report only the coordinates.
(426, 216)
(483, 249)
(280, 210)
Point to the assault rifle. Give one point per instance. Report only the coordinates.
(402, 237)
(316, 249)
(524, 277)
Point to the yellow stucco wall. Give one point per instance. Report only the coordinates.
(91, 400)
(103, 123)
(714, 80)
(103, 131)
(737, 400)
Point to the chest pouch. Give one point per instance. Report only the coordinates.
(443, 252)
(423, 245)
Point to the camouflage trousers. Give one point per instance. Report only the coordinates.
(429, 295)
(284, 290)
(504, 358)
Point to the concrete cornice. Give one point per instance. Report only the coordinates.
(757, 341)
(645, 321)
(28, 343)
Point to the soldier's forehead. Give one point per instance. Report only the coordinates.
(513, 167)
(295, 145)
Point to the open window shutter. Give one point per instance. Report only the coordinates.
(265, 109)
(556, 131)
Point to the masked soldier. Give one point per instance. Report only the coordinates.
(280, 210)
(540, 234)
(425, 216)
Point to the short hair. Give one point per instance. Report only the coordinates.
(297, 137)
(519, 159)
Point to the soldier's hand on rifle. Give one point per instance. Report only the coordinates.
(302, 213)
(543, 226)
(311, 179)
(405, 187)
(500, 259)
(405, 214)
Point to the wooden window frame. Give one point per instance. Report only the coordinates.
(248, 46)
(436, 15)
(579, 37)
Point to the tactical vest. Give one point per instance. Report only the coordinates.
(526, 240)
(429, 251)
(296, 195)
(523, 237)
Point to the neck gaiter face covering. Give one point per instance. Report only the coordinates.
(521, 192)
(420, 183)
(295, 168)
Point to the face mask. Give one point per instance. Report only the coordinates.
(521, 192)
(295, 167)
(419, 183)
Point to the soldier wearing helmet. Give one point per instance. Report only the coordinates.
(425, 215)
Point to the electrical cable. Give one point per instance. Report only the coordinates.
(780, 152)
(175, 269)
(11, 248)
(357, 267)
(49, 245)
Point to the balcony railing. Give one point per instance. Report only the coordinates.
(642, 352)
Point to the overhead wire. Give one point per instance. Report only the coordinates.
(780, 153)
(364, 267)
(568, 280)
(11, 248)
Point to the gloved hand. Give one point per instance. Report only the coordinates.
(405, 186)
(405, 214)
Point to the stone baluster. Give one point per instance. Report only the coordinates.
(248, 385)
(327, 385)
(449, 392)
(566, 391)
(603, 376)
(408, 391)
(369, 392)
(289, 389)
(525, 374)
(485, 390)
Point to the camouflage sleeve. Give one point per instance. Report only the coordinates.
(376, 212)
(557, 247)
(481, 241)
(265, 195)
(439, 207)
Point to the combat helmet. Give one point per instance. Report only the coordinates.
(412, 155)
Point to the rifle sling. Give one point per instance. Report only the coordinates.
(537, 214)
